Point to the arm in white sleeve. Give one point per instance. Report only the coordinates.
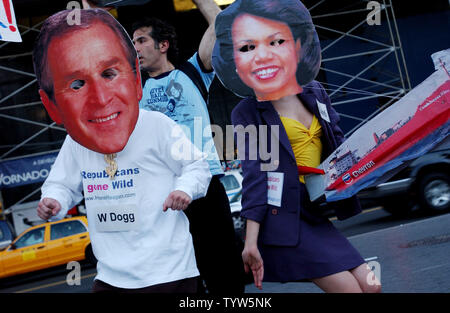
(189, 163)
(64, 181)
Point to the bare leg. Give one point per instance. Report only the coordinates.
(366, 279)
(357, 280)
(342, 282)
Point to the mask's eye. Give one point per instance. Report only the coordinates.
(77, 84)
(277, 42)
(247, 48)
(109, 73)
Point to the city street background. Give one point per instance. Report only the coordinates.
(413, 254)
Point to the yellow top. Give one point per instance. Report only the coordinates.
(305, 142)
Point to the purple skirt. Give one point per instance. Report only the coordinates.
(321, 251)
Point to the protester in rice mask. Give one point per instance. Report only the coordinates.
(268, 51)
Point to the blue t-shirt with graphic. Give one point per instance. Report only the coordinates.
(174, 94)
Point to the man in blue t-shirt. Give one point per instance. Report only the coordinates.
(171, 91)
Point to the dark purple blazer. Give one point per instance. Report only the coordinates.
(280, 225)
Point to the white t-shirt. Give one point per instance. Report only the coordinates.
(174, 94)
(136, 243)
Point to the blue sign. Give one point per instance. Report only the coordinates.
(27, 170)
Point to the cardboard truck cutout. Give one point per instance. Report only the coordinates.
(406, 130)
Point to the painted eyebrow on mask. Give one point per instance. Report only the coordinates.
(249, 41)
(103, 64)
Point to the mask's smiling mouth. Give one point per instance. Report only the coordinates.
(266, 73)
(105, 119)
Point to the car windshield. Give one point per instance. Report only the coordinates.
(31, 238)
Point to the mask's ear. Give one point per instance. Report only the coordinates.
(138, 80)
(51, 107)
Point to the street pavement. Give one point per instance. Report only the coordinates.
(412, 258)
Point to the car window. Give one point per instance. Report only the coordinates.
(237, 197)
(66, 229)
(229, 182)
(5, 232)
(33, 237)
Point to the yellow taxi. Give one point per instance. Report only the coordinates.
(46, 245)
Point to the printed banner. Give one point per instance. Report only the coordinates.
(27, 170)
(8, 25)
(406, 130)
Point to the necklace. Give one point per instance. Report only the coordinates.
(111, 169)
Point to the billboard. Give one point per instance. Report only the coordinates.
(27, 170)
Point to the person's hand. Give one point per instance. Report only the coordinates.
(253, 261)
(47, 208)
(87, 4)
(90, 5)
(177, 200)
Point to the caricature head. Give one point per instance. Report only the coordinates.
(89, 78)
(266, 48)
